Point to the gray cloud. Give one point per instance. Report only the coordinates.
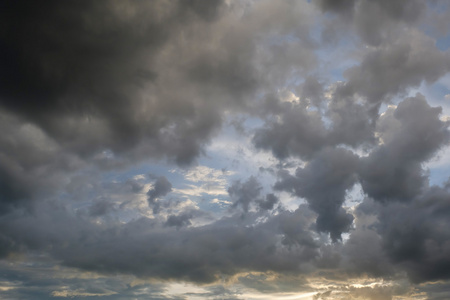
(375, 21)
(334, 169)
(411, 134)
(98, 78)
(108, 85)
(146, 248)
(293, 131)
(179, 221)
(95, 94)
(269, 202)
(161, 188)
(32, 165)
(416, 237)
(243, 194)
(397, 66)
(336, 6)
(352, 122)
(100, 208)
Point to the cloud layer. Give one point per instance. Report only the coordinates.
(254, 146)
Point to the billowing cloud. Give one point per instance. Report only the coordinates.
(289, 146)
(397, 66)
(334, 169)
(245, 193)
(161, 187)
(409, 136)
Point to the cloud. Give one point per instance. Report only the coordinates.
(269, 202)
(397, 66)
(243, 194)
(416, 239)
(334, 169)
(410, 135)
(161, 188)
(146, 248)
(102, 66)
(179, 221)
(293, 131)
(361, 16)
(209, 95)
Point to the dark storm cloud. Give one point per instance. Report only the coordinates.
(293, 131)
(378, 21)
(398, 237)
(374, 21)
(404, 225)
(363, 253)
(91, 87)
(323, 182)
(416, 236)
(140, 79)
(32, 165)
(146, 248)
(352, 122)
(394, 67)
(114, 82)
(410, 135)
(296, 228)
(401, 237)
(81, 71)
(436, 291)
(75, 83)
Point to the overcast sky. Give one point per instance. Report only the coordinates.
(206, 149)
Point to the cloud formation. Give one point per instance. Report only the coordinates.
(327, 114)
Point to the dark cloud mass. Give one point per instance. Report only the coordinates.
(86, 73)
(296, 149)
(410, 135)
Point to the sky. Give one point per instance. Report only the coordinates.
(247, 149)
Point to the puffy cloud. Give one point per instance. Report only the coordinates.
(95, 94)
(161, 187)
(243, 194)
(416, 237)
(323, 182)
(98, 80)
(292, 131)
(394, 67)
(375, 21)
(410, 134)
(269, 202)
